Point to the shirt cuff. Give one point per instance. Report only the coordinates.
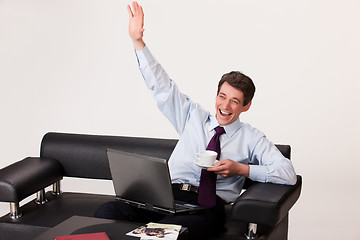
(258, 173)
(144, 56)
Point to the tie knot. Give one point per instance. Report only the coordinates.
(219, 130)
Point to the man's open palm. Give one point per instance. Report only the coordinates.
(136, 21)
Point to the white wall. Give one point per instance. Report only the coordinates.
(69, 66)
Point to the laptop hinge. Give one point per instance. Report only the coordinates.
(149, 206)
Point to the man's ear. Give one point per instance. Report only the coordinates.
(247, 106)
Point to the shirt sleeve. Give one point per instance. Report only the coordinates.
(269, 165)
(171, 102)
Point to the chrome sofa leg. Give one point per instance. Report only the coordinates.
(56, 188)
(252, 231)
(40, 197)
(14, 210)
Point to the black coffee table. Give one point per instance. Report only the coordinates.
(115, 230)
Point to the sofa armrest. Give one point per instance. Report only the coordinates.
(25, 177)
(265, 203)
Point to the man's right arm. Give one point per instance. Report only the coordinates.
(175, 105)
(136, 25)
(172, 103)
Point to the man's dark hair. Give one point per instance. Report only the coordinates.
(241, 82)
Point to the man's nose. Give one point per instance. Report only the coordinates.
(227, 104)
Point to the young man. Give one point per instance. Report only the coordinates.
(244, 151)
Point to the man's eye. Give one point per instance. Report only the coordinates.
(236, 102)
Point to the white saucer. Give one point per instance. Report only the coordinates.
(196, 161)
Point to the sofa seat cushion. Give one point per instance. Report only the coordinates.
(39, 218)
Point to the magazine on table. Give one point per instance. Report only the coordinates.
(156, 231)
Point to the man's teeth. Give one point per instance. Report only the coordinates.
(224, 113)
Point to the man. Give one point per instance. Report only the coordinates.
(244, 151)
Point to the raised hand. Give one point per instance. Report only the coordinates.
(136, 24)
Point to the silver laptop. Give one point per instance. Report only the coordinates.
(144, 182)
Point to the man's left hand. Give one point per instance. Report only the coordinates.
(228, 168)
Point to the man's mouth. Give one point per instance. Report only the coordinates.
(223, 113)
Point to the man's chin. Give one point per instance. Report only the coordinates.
(222, 121)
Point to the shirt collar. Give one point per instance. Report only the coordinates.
(230, 129)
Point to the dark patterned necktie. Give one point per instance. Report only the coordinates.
(207, 187)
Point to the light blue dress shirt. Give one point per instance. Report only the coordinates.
(241, 142)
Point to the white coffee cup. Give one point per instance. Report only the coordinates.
(206, 157)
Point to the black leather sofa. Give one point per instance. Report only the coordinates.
(262, 211)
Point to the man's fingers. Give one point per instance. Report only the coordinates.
(129, 11)
(141, 10)
(137, 9)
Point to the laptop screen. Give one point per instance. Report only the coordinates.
(141, 179)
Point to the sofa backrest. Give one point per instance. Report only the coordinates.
(85, 156)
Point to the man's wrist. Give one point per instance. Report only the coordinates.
(247, 171)
(244, 170)
(139, 44)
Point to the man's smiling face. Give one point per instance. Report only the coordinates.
(229, 104)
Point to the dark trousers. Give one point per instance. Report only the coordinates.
(200, 224)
